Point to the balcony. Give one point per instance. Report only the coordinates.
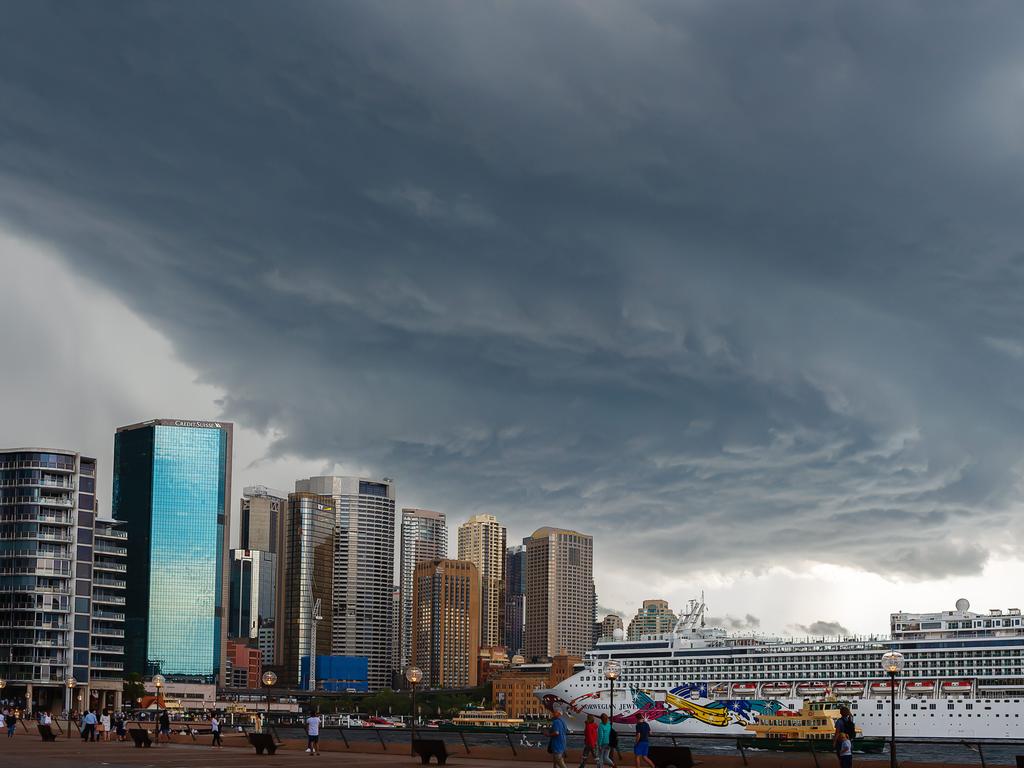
(107, 566)
(109, 549)
(103, 648)
(40, 516)
(99, 613)
(26, 464)
(108, 599)
(40, 535)
(112, 665)
(115, 583)
(111, 533)
(107, 632)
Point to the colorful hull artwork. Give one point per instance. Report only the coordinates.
(688, 702)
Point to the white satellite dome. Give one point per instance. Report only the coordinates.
(963, 604)
(617, 633)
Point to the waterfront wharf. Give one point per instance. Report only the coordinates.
(28, 751)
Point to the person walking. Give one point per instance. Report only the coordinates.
(643, 743)
(846, 730)
(119, 725)
(215, 730)
(89, 726)
(604, 742)
(558, 737)
(105, 724)
(313, 733)
(164, 727)
(589, 741)
(845, 752)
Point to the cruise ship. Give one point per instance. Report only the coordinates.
(964, 676)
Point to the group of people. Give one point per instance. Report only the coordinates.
(98, 727)
(600, 741)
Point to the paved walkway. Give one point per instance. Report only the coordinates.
(27, 751)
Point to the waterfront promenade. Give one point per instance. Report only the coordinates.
(26, 751)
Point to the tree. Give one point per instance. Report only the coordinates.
(134, 689)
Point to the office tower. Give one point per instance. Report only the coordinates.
(253, 598)
(109, 583)
(259, 518)
(653, 618)
(610, 623)
(424, 536)
(482, 542)
(361, 622)
(47, 527)
(304, 597)
(515, 597)
(446, 622)
(172, 486)
(559, 593)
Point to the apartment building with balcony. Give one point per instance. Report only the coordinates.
(106, 644)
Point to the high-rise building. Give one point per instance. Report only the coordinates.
(253, 599)
(653, 618)
(609, 624)
(361, 619)
(515, 597)
(305, 583)
(61, 582)
(172, 488)
(482, 542)
(424, 536)
(109, 583)
(260, 514)
(446, 622)
(559, 593)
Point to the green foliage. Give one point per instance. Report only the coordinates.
(134, 689)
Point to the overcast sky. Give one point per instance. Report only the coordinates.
(736, 288)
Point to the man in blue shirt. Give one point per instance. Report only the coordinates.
(643, 742)
(559, 734)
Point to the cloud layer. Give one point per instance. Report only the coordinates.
(725, 285)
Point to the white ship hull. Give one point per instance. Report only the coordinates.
(988, 718)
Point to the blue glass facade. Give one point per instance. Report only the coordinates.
(171, 488)
(337, 673)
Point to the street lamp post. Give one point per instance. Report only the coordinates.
(70, 683)
(269, 678)
(611, 672)
(413, 675)
(158, 683)
(892, 663)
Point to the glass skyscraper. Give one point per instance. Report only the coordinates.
(171, 486)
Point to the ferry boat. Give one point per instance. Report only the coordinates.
(684, 682)
(811, 729)
(484, 721)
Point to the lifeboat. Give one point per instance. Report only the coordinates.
(885, 686)
(776, 689)
(956, 686)
(811, 689)
(720, 690)
(920, 686)
(744, 689)
(849, 688)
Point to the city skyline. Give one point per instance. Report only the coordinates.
(735, 293)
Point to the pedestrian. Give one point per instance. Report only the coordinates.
(846, 730)
(105, 725)
(558, 735)
(119, 725)
(313, 733)
(89, 726)
(643, 742)
(589, 741)
(12, 722)
(165, 726)
(3, 718)
(604, 742)
(215, 730)
(845, 752)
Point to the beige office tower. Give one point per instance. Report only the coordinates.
(261, 513)
(610, 624)
(361, 621)
(424, 536)
(482, 542)
(559, 593)
(446, 623)
(654, 618)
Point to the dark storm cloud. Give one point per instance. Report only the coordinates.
(823, 629)
(749, 274)
(734, 623)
